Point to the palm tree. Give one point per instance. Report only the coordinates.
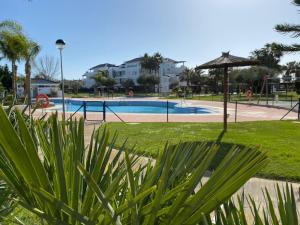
(152, 63)
(293, 30)
(31, 51)
(145, 63)
(12, 46)
(186, 76)
(157, 60)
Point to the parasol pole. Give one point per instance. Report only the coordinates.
(225, 97)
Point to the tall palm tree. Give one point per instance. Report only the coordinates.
(157, 59)
(12, 47)
(30, 52)
(293, 30)
(12, 44)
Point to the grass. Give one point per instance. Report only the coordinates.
(240, 97)
(280, 139)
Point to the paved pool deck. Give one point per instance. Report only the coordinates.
(244, 112)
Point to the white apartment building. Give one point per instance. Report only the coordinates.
(169, 72)
(88, 76)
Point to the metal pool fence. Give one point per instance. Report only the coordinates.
(104, 107)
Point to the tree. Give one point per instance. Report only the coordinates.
(186, 75)
(148, 81)
(6, 77)
(46, 66)
(12, 45)
(31, 51)
(291, 68)
(128, 83)
(191, 77)
(253, 76)
(216, 77)
(268, 56)
(151, 63)
(102, 78)
(293, 30)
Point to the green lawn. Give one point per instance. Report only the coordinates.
(242, 97)
(280, 139)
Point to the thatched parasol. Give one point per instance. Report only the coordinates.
(226, 61)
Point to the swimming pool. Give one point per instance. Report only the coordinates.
(151, 107)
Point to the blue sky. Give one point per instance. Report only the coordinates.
(98, 31)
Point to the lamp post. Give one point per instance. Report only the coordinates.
(60, 44)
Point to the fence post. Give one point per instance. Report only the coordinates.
(291, 101)
(235, 115)
(84, 110)
(104, 111)
(167, 111)
(299, 109)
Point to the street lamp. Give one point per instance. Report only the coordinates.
(60, 44)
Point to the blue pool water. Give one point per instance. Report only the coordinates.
(153, 107)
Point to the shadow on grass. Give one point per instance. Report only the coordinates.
(222, 149)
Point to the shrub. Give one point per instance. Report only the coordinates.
(63, 181)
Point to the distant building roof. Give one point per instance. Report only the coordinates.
(173, 61)
(135, 60)
(43, 81)
(139, 59)
(103, 65)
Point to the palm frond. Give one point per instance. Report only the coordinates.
(297, 2)
(10, 25)
(287, 48)
(292, 29)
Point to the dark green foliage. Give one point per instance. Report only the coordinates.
(6, 77)
(7, 204)
(151, 63)
(127, 84)
(253, 76)
(102, 78)
(297, 87)
(148, 81)
(268, 56)
(216, 79)
(191, 77)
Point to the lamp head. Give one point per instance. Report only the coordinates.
(60, 44)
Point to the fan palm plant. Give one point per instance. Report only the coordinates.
(56, 176)
(244, 210)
